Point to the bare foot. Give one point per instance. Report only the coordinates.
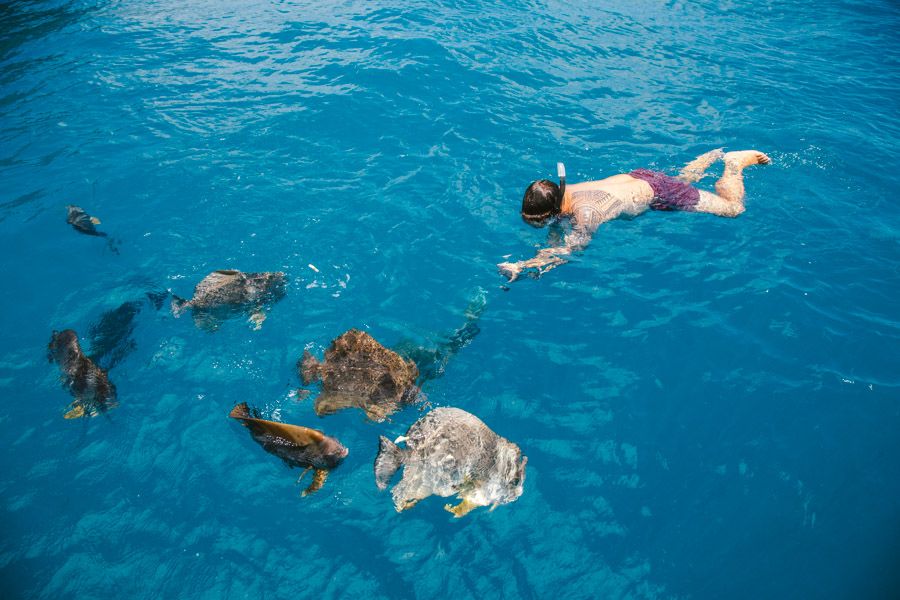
(745, 158)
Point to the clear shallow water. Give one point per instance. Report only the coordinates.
(709, 406)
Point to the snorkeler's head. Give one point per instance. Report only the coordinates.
(542, 201)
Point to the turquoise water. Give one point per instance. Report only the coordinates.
(709, 406)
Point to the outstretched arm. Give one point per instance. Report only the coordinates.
(584, 225)
(547, 258)
(589, 209)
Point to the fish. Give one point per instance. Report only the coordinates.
(451, 452)
(358, 372)
(111, 338)
(82, 222)
(89, 384)
(296, 445)
(432, 360)
(224, 293)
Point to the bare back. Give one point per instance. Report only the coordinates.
(591, 203)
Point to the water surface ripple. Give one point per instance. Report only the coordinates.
(709, 406)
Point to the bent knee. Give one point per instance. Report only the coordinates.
(733, 211)
(717, 205)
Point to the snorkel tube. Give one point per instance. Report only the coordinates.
(561, 173)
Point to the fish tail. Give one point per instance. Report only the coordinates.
(389, 459)
(240, 411)
(178, 305)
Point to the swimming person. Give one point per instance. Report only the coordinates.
(591, 203)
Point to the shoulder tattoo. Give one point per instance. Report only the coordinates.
(593, 207)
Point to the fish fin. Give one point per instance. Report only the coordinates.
(240, 411)
(408, 505)
(309, 368)
(296, 434)
(303, 474)
(389, 459)
(318, 481)
(95, 220)
(257, 319)
(76, 413)
(300, 435)
(377, 412)
(461, 509)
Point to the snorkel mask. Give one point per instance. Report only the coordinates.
(540, 220)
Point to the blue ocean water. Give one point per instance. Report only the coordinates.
(709, 406)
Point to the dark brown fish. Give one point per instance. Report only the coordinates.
(87, 382)
(297, 446)
(82, 222)
(358, 372)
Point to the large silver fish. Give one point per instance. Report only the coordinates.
(221, 294)
(450, 451)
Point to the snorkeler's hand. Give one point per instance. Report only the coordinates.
(510, 270)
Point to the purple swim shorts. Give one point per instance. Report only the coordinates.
(668, 193)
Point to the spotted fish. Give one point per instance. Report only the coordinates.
(358, 372)
(222, 294)
(88, 383)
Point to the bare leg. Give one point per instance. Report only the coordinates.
(731, 185)
(729, 200)
(696, 169)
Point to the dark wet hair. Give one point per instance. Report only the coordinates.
(542, 201)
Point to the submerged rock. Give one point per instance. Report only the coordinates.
(223, 294)
(450, 451)
(358, 372)
(88, 383)
(297, 446)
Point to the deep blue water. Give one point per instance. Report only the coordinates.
(710, 407)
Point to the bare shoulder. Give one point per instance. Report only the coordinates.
(591, 207)
(599, 184)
